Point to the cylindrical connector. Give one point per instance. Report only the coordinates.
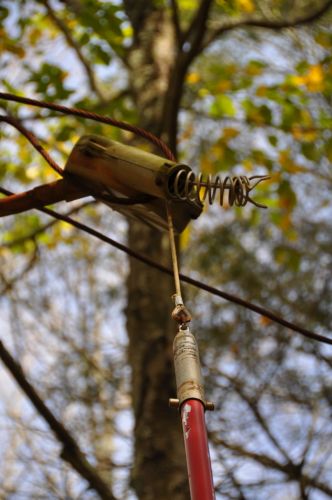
(125, 173)
(187, 367)
(125, 169)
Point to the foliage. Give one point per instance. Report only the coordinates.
(253, 101)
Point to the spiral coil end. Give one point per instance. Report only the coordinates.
(185, 185)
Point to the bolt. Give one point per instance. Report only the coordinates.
(173, 403)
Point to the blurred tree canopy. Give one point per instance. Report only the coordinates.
(238, 86)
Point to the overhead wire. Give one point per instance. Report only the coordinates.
(168, 153)
(145, 134)
(14, 122)
(184, 278)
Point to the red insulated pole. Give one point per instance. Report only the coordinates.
(197, 450)
(190, 392)
(192, 404)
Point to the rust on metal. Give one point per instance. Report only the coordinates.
(181, 314)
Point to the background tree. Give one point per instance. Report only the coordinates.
(234, 86)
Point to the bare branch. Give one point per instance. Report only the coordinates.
(294, 472)
(76, 47)
(176, 21)
(186, 279)
(196, 31)
(10, 283)
(252, 403)
(33, 235)
(71, 452)
(271, 24)
(191, 41)
(41, 196)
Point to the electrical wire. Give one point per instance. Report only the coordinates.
(93, 116)
(161, 144)
(28, 198)
(14, 122)
(110, 121)
(185, 279)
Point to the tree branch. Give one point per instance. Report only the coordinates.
(196, 31)
(40, 230)
(253, 402)
(71, 452)
(293, 472)
(186, 279)
(10, 283)
(76, 47)
(176, 21)
(275, 25)
(191, 41)
(40, 196)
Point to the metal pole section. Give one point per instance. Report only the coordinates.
(192, 405)
(190, 392)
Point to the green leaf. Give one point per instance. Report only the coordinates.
(222, 105)
(3, 13)
(100, 54)
(328, 149)
(288, 256)
(310, 151)
(291, 114)
(287, 196)
(273, 140)
(260, 115)
(255, 68)
(49, 81)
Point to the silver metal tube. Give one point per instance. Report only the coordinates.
(187, 366)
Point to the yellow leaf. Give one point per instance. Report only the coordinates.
(264, 321)
(304, 135)
(297, 80)
(261, 91)
(286, 222)
(288, 163)
(203, 92)
(71, 23)
(230, 133)
(207, 166)
(127, 31)
(65, 228)
(33, 172)
(248, 164)
(184, 238)
(34, 36)
(223, 86)
(284, 158)
(193, 78)
(315, 78)
(246, 5)
(218, 151)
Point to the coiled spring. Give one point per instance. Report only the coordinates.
(235, 190)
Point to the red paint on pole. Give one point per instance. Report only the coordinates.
(197, 450)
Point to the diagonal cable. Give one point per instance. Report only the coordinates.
(93, 116)
(161, 144)
(186, 279)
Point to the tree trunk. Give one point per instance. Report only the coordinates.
(159, 461)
